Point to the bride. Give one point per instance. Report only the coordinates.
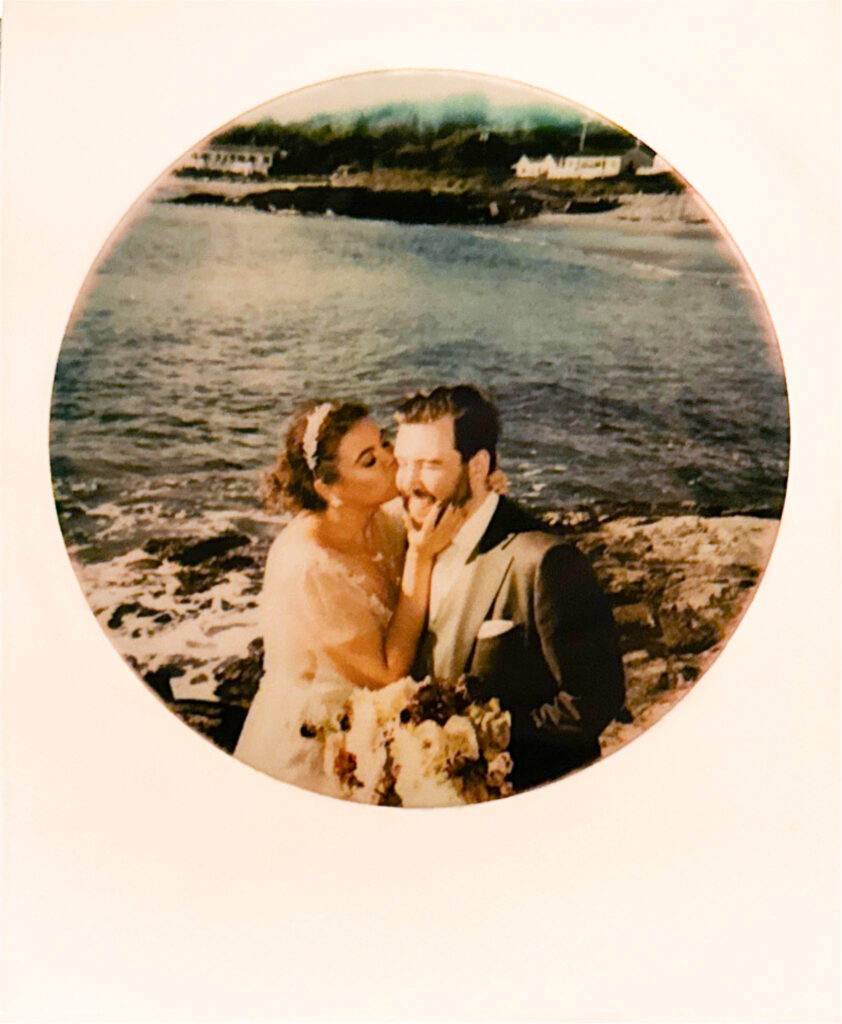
(345, 592)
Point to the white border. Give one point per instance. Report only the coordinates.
(692, 876)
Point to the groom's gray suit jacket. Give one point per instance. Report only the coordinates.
(554, 662)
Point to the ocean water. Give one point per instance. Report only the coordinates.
(628, 367)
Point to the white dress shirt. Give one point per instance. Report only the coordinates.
(454, 557)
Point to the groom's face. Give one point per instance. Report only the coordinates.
(430, 469)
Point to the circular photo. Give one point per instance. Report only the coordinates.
(419, 438)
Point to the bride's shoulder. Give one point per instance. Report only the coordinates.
(296, 546)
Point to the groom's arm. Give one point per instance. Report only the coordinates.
(579, 643)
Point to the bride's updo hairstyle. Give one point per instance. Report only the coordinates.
(309, 454)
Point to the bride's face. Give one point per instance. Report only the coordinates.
(366, 467)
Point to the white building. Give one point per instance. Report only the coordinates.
(588, 167)
(233, 159)
(581, 166)
(526, 168)
(569, 167)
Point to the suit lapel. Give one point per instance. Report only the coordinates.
(463, 609)
(466, 605)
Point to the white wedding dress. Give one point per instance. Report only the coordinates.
(313, 600)
(309, 725)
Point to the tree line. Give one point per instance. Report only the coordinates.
(452, 147)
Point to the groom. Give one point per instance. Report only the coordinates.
(511, 605)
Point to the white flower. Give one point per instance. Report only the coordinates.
(420, 752)
(493, 726)
(498, 769)
(364, 740)
(460, 738)
(392, 699)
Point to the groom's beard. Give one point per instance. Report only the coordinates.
(419, 500)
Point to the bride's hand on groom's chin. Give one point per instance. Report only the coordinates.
(440, 526)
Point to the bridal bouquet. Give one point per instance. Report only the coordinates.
(415, 744)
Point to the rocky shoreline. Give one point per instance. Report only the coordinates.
(403, 206)
(184, 613)
(426, 199)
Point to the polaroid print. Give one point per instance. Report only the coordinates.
(418, 439)
(385, 300)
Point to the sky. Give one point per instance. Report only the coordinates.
(371, 90)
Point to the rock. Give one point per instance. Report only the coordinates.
(677, 585)
(194, 580)
(162, 548)
(573, 520)
(159, 680)
(144, 563)
(129, 608)
(193, 552)
(635, 625)
(644, 681)
(239, 678)
(693, 615)
(208, 550)
(199, 199)
(206, 562)
(414, 206)
(220, 723)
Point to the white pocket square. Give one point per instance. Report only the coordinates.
(494, 627)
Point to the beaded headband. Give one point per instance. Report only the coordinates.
(310, 441)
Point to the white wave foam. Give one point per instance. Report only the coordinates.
(137, 603)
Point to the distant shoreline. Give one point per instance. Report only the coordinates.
(424, 197)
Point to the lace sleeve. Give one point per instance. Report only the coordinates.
(311, 602)
(336, 607)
